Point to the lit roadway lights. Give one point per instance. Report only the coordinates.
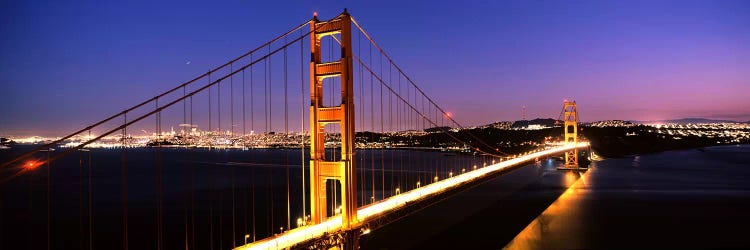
(333, 224)
(30, 166)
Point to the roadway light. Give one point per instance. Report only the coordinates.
(31, 165)
(246, 236)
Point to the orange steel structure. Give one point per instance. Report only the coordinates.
(322, 169)
(570, 127)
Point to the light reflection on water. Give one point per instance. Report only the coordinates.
(676, 199)
(541, 232)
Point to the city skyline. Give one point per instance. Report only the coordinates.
(66, 65)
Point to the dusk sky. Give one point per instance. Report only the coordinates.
(65, 64)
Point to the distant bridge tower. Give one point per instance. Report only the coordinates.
(570, 127)
(322, 169)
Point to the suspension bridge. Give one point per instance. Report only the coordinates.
(307, 141)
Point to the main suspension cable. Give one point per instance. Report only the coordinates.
(406, 102)
(372, 41)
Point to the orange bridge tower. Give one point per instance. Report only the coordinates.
(570, 129)
(322, 170)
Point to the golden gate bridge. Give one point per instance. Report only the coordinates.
(324, 128)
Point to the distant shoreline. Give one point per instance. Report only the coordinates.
(623, 142)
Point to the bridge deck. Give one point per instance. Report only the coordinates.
(333, 224)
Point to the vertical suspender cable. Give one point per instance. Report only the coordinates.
(234, 241)
(416, 127)
(423, 168)
(31, 211)
(382, 133)
(407, 135)
(286, 139)
(372, 129)
(415, 119)
(49, 201)
(219, 187)
(244, 145)
(252, 104)
(159, 179)
(398, 122)
(265, 126)
(231, 138)
(211, 218)
(218, 110)
(302, 124)
(390, 121)
(244, 119)
(252, 168)
(91, 216)
(124, 189)
(268, 131)
(270, 88)
(192, 184)
(209, 107)
(186, 166)
(231, 104)
(408, 123)
(252, 199)
(80, 200)
(382, 153)
(362, 170)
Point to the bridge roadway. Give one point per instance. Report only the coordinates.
(366, 213)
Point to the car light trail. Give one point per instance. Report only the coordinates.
(333, 224)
